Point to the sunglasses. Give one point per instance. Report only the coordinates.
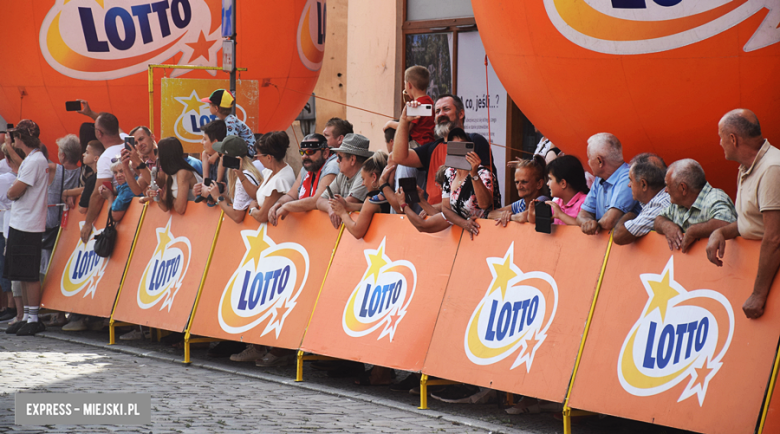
(308, 152)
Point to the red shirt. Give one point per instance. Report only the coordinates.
(422, 128)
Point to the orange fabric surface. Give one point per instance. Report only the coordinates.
(166, 268)
(381, 299)
(264, 280)
(669, 343)
(78, 280)
(515, 309)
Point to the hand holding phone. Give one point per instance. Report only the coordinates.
(72, 106)
(421, 110)
(410, 189)
(129, 142)
(543, 217)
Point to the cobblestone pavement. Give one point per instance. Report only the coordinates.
(187, 399)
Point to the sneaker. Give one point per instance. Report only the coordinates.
(8, 314)
(75, 326)
(31, 328)
(134, 335)
(456, 394)
(270, 360)
(252, 353)
(14, 327)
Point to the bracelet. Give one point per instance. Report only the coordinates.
(140, 166)
(403, 208)
(386, 184)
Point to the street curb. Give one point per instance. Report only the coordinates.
(433, 414)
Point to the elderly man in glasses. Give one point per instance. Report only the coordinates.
(319, 170)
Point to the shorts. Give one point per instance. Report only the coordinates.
(23, 256)
(4, 283)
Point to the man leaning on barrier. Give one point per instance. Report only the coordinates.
(610, 197)
(757, 204)
(697, 209)
(646, 181)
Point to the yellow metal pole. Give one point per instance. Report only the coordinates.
(299, 367)
(53, 250)
(566, 408)
(771, 389)
(111, 330)
(423, 392)
(200, 289)
(299, 371)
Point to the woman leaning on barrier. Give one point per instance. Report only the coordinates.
(178, 177)
(243, 182)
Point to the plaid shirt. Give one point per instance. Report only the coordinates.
(712, 203)
(643, 223)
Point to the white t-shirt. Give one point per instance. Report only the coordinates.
(281, 182)
(4, 167)
(241, 199)
(104, 162)
(6, 181)
(28, 213)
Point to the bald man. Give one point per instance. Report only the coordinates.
(610, 197)
(757, 204)
(696, 209)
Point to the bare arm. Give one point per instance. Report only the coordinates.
(621, 236)
(310, 203)
(768, 264)
(401, 154)
(716, 246)
(185, 179)
(17, 189)
(262, 214)
(698, 231)
(674, 234)
(610, 219)
(587, 222)
(357, 228)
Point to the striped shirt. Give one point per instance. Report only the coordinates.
(642, 224)
(712, 203)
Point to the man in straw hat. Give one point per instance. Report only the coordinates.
(348, 186)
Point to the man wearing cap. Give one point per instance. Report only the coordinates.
(320, 168)
(348, 185)
(221, 104)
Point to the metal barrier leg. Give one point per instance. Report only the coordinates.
(566, 420)
(299, 366)
(111, 332)
(186, 348)
(423, 392)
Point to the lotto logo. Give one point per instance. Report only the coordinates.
(651, 26)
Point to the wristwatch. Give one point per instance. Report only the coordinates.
(220, 199)
(251, 210)
(141, 166)
(382, 187)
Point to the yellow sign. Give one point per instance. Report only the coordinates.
(183, 113)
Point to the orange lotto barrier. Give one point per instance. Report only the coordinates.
(78, 280)
(515, 309)
(381, 298)
(669, 343)
(165, 271)
(263, 280)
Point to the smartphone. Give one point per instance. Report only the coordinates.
(108, 185)
(422, 110)
(207, 182)
(330, 192)
(456, 155)
(129, 142)
(72, 106)
(543, 217)
(9, 126)
(410, 189)
(230, 162)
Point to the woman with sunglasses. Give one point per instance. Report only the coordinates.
(278, 176)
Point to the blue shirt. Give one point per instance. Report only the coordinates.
(196, 164)
(612, 192)
(123, 198)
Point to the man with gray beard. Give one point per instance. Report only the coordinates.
(429, 157)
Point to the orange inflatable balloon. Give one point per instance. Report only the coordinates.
(98, 50)
(659, 74)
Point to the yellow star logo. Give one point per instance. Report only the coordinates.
(163, 238)
(662, 292)
(191, 103)
(503, 272)
(375, 262)
(255, 244)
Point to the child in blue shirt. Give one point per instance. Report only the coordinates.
(121, 201)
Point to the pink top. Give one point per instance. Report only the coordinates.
(572, 208)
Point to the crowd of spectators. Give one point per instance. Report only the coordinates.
(243, 173)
